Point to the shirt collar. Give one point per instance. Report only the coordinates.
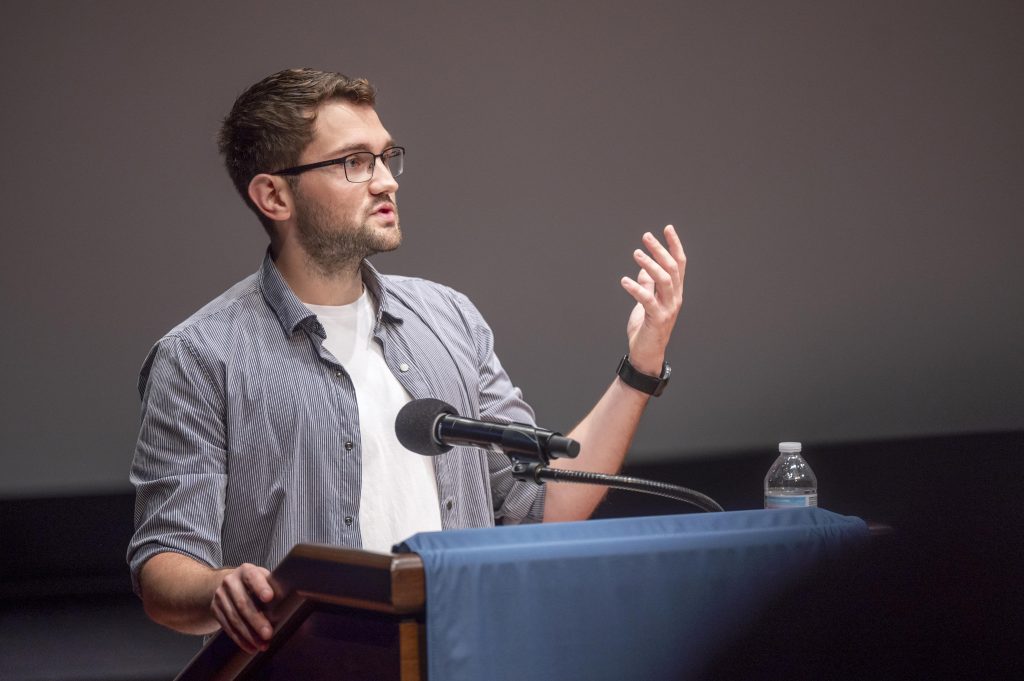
(386, 303)
(292, 313)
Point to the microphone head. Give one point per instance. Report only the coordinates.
(416, 423)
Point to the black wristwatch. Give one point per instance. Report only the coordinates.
(652, 385)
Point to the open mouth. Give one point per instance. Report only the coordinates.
(384, 209)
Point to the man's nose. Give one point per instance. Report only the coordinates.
(382, 182)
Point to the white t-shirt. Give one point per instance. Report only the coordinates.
(399, 491)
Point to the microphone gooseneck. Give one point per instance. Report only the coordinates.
(431, 427)
(539, 474)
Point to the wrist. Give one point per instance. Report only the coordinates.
(647, 365)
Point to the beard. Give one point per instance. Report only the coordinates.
(334, 245)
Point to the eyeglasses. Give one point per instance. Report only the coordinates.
(358, 166)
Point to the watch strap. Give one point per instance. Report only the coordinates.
(645, 383)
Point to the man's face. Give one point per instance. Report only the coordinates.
(340, 222)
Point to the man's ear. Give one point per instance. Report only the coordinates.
(272, 195)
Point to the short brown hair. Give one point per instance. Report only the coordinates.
(272, 122)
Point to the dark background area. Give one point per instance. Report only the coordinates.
(846, 178)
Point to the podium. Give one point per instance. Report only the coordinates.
(652, 598)
(341, 613)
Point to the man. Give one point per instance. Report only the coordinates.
(268, 416)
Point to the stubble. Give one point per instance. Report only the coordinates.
(336, 246)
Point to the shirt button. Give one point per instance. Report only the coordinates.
(449, 504)
(349, 446)
(348, 520)
(337, 372)
(403, 367)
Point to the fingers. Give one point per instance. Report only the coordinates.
(675, 246)
(662, 269)
(643, 294)
(256, 579)
(232, 623)
(238, 613)
(671, 257)
(663, 265)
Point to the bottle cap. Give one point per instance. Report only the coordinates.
(789, 448)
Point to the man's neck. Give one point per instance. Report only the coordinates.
(311, 284)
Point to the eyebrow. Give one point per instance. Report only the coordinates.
(358, 146)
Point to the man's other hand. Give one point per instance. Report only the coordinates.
(237, 606)
(191, 597)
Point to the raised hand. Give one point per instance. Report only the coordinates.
(658, 291)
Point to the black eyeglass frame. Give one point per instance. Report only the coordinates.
(296, 170)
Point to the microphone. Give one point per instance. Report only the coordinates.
(431, 427)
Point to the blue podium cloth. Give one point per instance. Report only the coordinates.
(633, 598)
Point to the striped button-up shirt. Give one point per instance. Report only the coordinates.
(250, 437)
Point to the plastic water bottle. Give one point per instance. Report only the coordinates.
(790, 482)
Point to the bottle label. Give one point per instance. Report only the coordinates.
(790, 500)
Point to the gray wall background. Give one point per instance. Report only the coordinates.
(847, 178)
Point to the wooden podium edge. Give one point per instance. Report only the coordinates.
(313, 574)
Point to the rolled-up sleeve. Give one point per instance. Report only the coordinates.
(179, 469)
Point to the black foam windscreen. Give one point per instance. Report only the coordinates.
(414, 425)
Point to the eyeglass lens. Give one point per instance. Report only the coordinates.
(359, 166)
